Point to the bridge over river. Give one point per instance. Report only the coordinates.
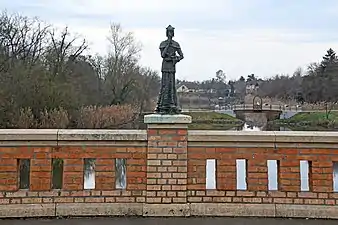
(272, 112)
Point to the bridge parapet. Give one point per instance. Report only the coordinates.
(169, 171)
(250, 107)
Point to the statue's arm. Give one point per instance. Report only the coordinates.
(163, 52)
(180, 53)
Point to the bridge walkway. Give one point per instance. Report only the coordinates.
(168, 221)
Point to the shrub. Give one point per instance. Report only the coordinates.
(24, 120)
(116, 116)
(54, 118)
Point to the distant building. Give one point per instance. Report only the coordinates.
(251, 87)
(186, 87)
(183, 89)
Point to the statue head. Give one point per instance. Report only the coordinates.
(170, 31)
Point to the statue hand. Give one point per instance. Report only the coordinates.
(176, 59)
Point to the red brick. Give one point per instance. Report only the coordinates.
(31, 200)
(283, 200)
(267, 200)
(94, 199)
(167, 131)
(277, 194)
(179, 138)
(330, 202)
(8, 162)
(4, 201)
(307, 195)
(322, 188)
(64, 200)
(182, 132)
(298, 201)
(322, 164)
(152, 131)
(314, 201)
(40, 181)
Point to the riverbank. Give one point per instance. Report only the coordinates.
(311, 121)
(204, 121)
(213, 120)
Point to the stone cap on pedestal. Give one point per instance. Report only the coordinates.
(160, 119)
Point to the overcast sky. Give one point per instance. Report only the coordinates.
(264, 37)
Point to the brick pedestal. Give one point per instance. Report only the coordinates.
(167, 162)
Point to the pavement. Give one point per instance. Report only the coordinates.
(168, 221)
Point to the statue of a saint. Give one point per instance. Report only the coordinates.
(171, 53)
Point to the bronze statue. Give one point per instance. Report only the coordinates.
(171, 53)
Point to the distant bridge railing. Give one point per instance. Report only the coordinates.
(250, 107)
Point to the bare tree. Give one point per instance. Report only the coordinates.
(147, 89)
(21, 38)
(63, 49)
(121, 65)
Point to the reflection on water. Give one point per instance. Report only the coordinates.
(247, 127)
(252, 127)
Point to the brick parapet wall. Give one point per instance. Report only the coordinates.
(167, 165)
(166, 173)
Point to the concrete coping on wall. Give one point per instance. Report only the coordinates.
(208, 137)
(167, 119)
(55, 137)
(265, 138)
(102, 135)
(71, 135)
(29, 134)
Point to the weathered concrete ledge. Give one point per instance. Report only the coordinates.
(28, 134)
(231, 136)
(102, 135)
(28, 137)
(271, 139)
(167, 119)
(55, 137)
(168, 210)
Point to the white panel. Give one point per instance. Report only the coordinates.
(241, 174)
(273, 175)
(211, 174)
(335, 176)
(304, 175)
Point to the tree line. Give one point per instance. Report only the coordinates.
(48, 80)
(316, 84)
